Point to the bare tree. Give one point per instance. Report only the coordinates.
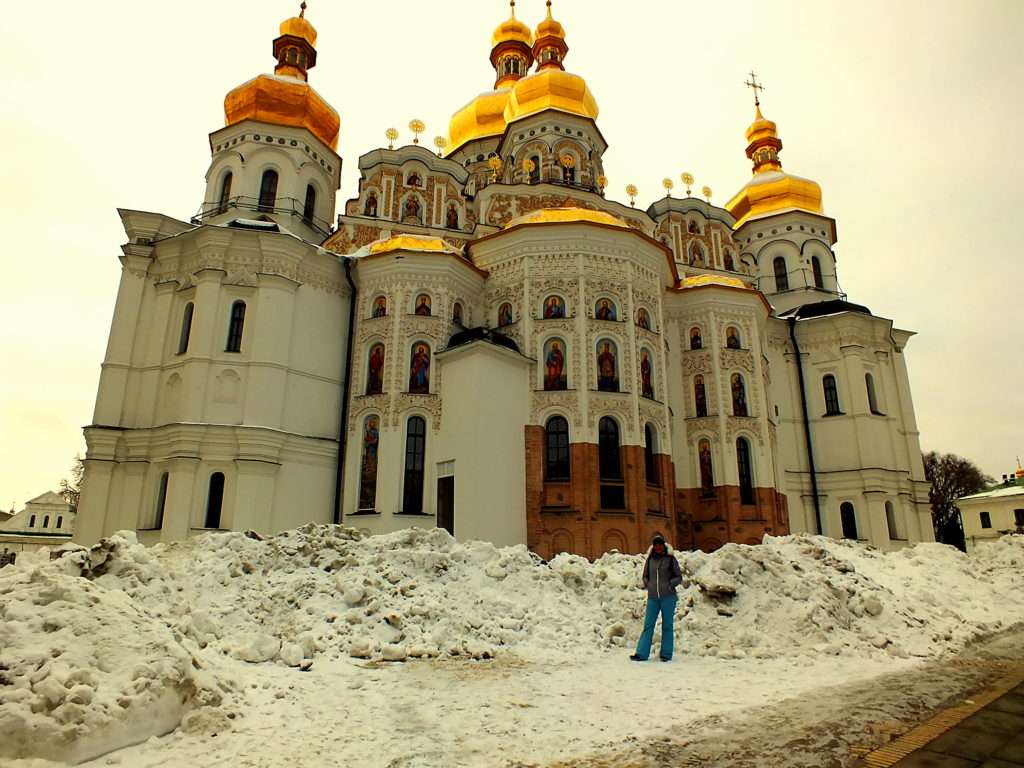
(951, 477)
(71, 489)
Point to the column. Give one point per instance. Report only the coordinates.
(177, 521)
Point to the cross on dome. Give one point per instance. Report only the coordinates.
(755, 87)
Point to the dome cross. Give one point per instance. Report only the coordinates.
(755, 87)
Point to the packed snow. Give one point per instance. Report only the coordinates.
(104, 648)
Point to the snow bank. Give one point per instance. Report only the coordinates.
(122, 631)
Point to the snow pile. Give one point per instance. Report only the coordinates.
(85, 669)
(107, 646)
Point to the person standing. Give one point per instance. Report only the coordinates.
(662, 575)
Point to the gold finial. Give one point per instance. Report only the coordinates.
(495, 164)
(687, 179)
(755, 86)
(513, 4)
(440, 142)
(669, 185)
(528, 168)
(417, 127)
(567, 161)
(549, 9)
(631, 189)
(706, 191)
(392, 136)
(302, 9)
(602, 182)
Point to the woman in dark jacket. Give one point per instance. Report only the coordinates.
(661, 577)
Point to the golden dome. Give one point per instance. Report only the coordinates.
(549, 27)
(282, 100)
(297, 26)
(484, 116)
(771, 190)
(551, 89)
(565, 216)
(411, 243)
(512, 30)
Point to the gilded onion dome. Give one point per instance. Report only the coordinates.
(771, 190)
(512, 30)
(482, 117)
(551, 87)
(285, 97)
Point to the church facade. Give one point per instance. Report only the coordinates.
(484, 340)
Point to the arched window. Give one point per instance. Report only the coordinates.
(781, 274)
(370, 209)
(186, 328)
(419, 369)
(739, 396)
(607, 366)
(746, 471)
(60, 521)
(161, 502)
(613, 491)
(457, 313)
(423, 305)
(556, 450)
(696, 254)
(869, 383)
(819, 279)
(730, 264)
(831, 395)
(309, 207)
(32, 521)
(733, 340)
(225, 192)
(605, 309)
(643, 319)
(535, 169)
(46, 521)
(505, 315)
(849, 519)
(268, 190)
(380, 307)
(214, 500)
(696, 342)
(415, 453)
(650, 449)
(235, 327)
(368, 470)
(707, 473)
(375, 370)
(700, 396)
(555, 369)
(890, 521)
(986, 520)
(554, 307)
(646, 374)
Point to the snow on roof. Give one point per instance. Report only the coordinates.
(998, 492)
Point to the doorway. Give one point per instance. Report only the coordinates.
(446, 503)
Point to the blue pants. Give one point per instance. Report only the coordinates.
(666, 606)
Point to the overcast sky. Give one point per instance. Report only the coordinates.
(905, 112)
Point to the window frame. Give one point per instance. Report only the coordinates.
(414, 477)
(185, 336)
(745, 472)
(985, 518)
(309, 204)
(651, 473)
(214, 512)
(781, 276)
(833, 405)
(236, 327)
(267, 200)
(557, 451)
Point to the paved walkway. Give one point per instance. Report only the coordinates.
(991, 738)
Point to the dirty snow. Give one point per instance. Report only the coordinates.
(221, 639)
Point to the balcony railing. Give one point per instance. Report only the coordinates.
(288, 206)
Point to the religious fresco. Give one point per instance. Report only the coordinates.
(739, 396)
(732, 338)
(605, 310)
(371, 205)
(375, 370)
(695, 340)
(423, 304)
(707, 475)
(380, 307)
(643, 319)
(607, 366)
(368, 470)
(555, 377)
(419, 370)
(646, 375)
(457, 313)
(505, 315)
(412, 210)
(700, 396)
(554, 307)
(729, 263)
(452, 217)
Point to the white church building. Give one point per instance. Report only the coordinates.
(484, 340)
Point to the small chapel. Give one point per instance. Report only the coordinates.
(484, 340)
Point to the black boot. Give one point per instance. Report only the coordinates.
(634, 657)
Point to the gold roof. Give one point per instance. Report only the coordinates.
(512, 30)
(771, 190)
(567, 215)
(482, 117)
(297, 26)
(549, 27)
(551, 89)
(696, 281)
(411, 243)
(282, 100)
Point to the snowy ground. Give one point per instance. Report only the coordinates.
(319, 647)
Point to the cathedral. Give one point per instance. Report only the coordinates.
(484, 340)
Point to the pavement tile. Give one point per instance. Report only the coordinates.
(1011, 702)
(1012, 752)
(969, 743)
(924, 758)
(993, 721)
(993, 763)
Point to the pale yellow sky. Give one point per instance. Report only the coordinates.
(905, 113)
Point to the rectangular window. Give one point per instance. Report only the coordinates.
(415, 452)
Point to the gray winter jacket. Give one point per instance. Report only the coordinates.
(662, 574)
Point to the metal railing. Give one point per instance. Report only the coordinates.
(288, 206)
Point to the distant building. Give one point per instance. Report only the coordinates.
(994, 512)
(46, 521)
